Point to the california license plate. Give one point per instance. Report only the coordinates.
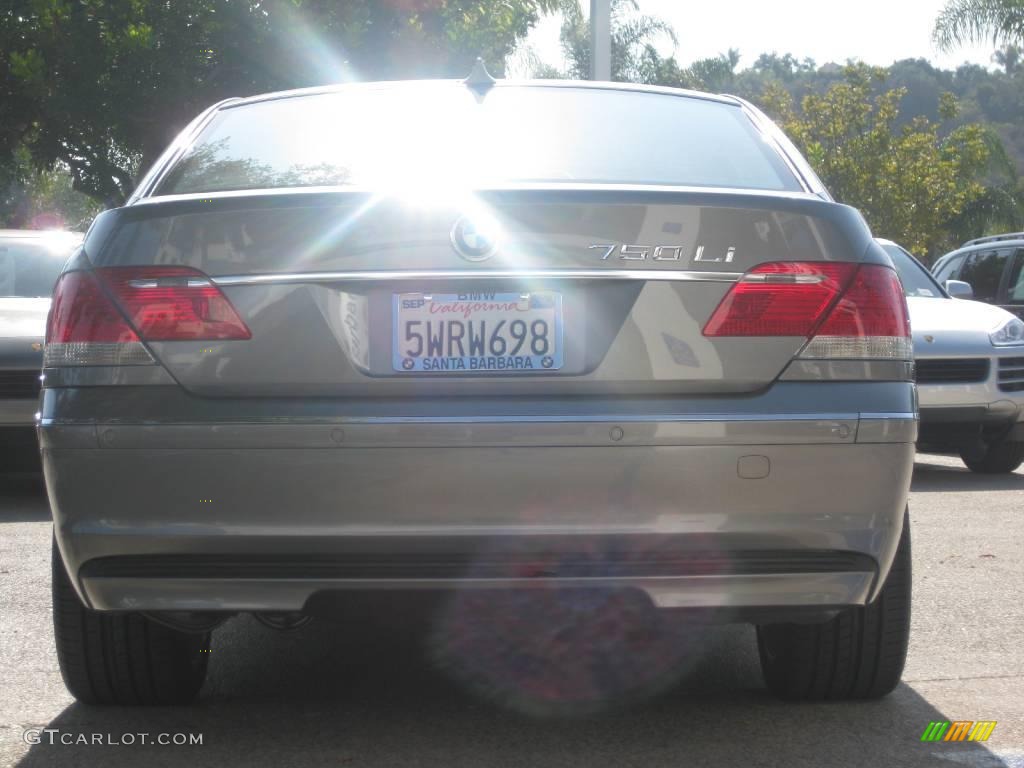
(477, 332)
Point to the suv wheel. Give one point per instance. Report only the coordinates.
(122, 658)
(994, 458)
(858, 654)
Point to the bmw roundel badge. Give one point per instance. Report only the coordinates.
(474, 240)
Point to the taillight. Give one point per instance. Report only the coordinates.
(845, 310)
(779, 299)
(102, 317)
(174, 304)
(869, 321)
(86, 328)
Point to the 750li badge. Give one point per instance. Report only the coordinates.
(662, 253)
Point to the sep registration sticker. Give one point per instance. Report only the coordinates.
(504, 333)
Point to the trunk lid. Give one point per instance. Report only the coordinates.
(637, 274)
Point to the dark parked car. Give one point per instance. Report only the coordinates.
(994, 268)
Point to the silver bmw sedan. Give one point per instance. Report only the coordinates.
(474, 337)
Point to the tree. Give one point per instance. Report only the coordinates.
(786, 67)
(981, 21)
(1008, 57)
(716, 74)
(910, 182)
(101, 87)
(634, 57)
(41, 199)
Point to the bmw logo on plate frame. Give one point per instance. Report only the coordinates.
(473, 240)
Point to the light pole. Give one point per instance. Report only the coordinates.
(600, 39)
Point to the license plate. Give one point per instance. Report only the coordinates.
(477, 332)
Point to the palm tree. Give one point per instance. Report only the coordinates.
(1008, 57)
(996, 21)
(633, 39)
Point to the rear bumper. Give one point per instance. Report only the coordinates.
(697, 513)
(725, 582)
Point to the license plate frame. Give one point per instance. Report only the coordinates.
(484, 319)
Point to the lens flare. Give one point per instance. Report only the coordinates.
(556, 651)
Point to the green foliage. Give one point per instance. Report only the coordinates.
(634, 57)
(1009, 58)
(911, 181)
(41, 199)
(995, 21)
(102, 87)
(785, 68)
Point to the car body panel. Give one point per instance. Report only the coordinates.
(238, 504)
(720, 476)
(327, 262)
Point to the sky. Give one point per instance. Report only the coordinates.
(875, 31)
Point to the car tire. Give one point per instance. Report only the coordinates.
(994, 458)
(122, 658)
(858, 654)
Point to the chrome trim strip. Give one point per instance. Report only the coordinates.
(876, 416)
(603, 418)
(609, 418)
(563, 419)
(887, 428)
(783, 279)
(661, 275)
(359, 190)
(320, 90)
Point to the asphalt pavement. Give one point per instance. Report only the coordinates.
(387, 687)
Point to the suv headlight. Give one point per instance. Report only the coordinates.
(1009, 334)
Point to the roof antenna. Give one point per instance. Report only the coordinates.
(479, 79)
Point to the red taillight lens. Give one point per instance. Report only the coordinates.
(847, 311)
(174, 304)
(780, 299)
(81, 312)
(102, 317)
(86, 328)
(873, 305)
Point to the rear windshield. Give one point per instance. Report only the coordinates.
(438, 134)
(29, 267)
(917, 281)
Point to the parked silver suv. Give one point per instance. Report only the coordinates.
(969, 362)
(475, 336)
(994, 268)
